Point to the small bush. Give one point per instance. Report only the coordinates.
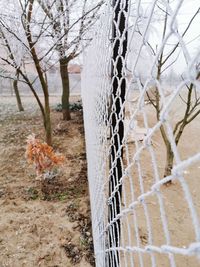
(42, 157)
(77, 106)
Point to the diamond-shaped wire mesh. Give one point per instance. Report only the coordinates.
(141, 100)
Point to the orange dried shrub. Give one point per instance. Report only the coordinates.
(41, 155)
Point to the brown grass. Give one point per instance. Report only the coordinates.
(43, 223)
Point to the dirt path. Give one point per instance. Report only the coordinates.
(43, 224)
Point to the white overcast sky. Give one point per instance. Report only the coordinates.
(192, 38)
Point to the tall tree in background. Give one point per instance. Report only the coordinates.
(16, 90)
(48, 32)
(19, 27)
(14, 77)
(68, 23)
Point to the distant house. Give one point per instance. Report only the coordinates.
(74, 69)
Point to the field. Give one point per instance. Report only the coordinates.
(43, 223)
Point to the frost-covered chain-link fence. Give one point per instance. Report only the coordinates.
(141, 99)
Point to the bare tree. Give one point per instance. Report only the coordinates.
(48, 32)
(26, 38)
(68, 23)
(16, 90)
(16, 75)
(191, 100)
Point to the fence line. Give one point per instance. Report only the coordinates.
(141, 133)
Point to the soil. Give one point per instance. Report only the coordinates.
(43, 223)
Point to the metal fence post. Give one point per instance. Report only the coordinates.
(119, 47)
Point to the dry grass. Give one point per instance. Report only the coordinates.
(43, 223)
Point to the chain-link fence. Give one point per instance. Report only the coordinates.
(141, 98)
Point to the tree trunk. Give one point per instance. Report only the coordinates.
(16, 90)
(45, 110)
(65, 88)
(48, 129)
(47, 125)
(169, 164)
